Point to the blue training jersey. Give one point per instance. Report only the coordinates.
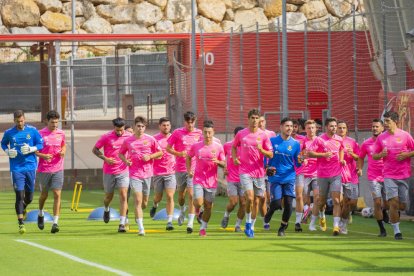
(14, 138)
(285, 158)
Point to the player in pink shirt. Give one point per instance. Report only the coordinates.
(328, 148)
(115, 172)
(349, 176)
(50, 168)
(209, 155)
(254, 147)
(164, 173)
(234, 188)
(374, 175)
(179, 143)
(138, 153)
(396, 147)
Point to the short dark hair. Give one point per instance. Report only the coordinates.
(392, 115)
(18, 113)
(342, 122)
(52, 114)
(376, 120)
(302, 122)
(318, 121)
(252, 112)
(118, 122)
(330, 119)
(189, 116)
(140, 119)
(208, 124)
(127, 126)
(162, 120)
(286, 119)
(295, 122)
(237, 129)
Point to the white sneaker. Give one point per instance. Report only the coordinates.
(141, 232)
(312, 227)
(180, 219)
(343, 228)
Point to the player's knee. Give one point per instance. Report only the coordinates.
(28, 198)
(276, 204)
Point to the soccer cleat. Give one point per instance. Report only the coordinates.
(153, 211)
(281, 231)
(224, 222)
(41, 222)
(169, 226)
(398, 236)
(22, 229)
(343, 229)
(199, 217)
(237, 228)
(336, 230)
(266, 226)
(55, 228)
(385, 216)
(189, 230)
(202, 233)
(298, 228)
(312, 227)
(121, 228)
(141, 232)
(180, 219)
(350, 218)
(322, 224)
(306, 215)
(248, 230)
(106, 216)
(382, 234)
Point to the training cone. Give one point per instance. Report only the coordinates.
(32, 216)
(97, 214)
(162, 214)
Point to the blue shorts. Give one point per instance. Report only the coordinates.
(278, 190)
(24, 181)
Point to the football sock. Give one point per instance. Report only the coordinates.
(106, 208)
(122, 220)
(140, 222)
(396, 227)
(298, 217)
(55, 219)
(321, 214)
(170, 218)
(226, 214)
(190, 220)
(381, 225)
(336, 221)
(248, 217)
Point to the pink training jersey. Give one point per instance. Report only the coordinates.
(328, 167)
(311, 168)
(182, 140)
(395, 144)
(375, 167)
(53, 141)
(166, 164)
(251, 158)
(136, 149)
(349, 171)
(232, 169)
(111, 144)
(205, 172)
(270, 133)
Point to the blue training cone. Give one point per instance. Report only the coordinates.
(31, 216)
(162, 214)
(97, 214)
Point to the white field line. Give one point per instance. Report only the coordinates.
(76, 259)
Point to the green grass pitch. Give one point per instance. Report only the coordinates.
(222, 252)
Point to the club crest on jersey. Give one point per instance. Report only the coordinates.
(28, 137)
(398, 139)
(289, 148)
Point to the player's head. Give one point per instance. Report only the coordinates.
(253, 116)
(301, 122)
(237, 129)
(390, 120)
(129, 128)
(140, 123)
(119, 126)
(286, 126)
(19, 119)
(262, 122)
(208, 131)
(52, 120)
(342, 128)
(377, 127)
(331, 125)
(164, 125)
(190, 120)
(310, 128)
(318, 125)
(295, 126)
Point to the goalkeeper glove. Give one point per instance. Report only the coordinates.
(26, 149)
(12, 153)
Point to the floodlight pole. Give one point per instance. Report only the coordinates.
(193, 58)
(285, 100)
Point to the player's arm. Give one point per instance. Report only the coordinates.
(188, 165)
(220, 160)
(155, 155)
(11, 153)
(45, 156)
(124, 159)
(315, 154)
(37, 142)
(172, 151)
(100, 155)
(296, 158)
(236, 160)
(268, 152)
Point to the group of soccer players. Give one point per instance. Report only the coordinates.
(264, 172)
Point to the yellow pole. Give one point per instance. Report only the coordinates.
(74, 196)
(79, 194)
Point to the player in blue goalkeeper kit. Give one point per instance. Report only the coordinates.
(281, 173)
(20, 143)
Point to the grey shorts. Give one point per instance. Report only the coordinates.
(50, 181)
(350, 190)
(183, 181)
(310, 184)
(162, 182)
(207, 194)
(267, 185)
(377, 189)
(396, 188)
(251, 183)
(110, 181)
(329, 185)
(234, 189)
(141, 185)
